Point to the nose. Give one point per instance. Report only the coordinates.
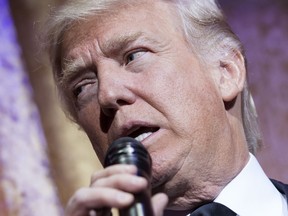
(114, 90)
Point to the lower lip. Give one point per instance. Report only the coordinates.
(148, 140)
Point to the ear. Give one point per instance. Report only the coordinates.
(232, 75)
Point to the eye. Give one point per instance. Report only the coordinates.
(83, 87)
(134, 55)
(78, 90)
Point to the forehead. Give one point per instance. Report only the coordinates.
(125, 19)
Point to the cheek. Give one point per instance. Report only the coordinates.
(89, 120)
(167, 159)
(206, 111)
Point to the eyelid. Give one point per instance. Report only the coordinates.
(83, 81)
(80, 84)
(79, 73)
(134, 51)
(81, 77)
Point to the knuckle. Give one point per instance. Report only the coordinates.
(80, 197)
(94, 177)
(100, 183)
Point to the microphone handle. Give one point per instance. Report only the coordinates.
(140, 207)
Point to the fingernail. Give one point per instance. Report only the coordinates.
(137, 181)
(124, 198)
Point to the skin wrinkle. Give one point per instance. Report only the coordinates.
(70, 68)
(254, 132)
(190, 129)
(152, 41)
(105, 16)
(112, 47)
(122, 42)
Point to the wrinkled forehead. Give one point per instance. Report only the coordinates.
(127, 14)
(117, 26)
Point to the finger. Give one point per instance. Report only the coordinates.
(100, 212)
(86, 199)
(126, 182)
(112, 170)
(159, 202)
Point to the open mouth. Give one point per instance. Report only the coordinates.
(143, 132)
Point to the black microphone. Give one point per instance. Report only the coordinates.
(127, 150)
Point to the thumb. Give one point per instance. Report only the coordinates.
(159, 202)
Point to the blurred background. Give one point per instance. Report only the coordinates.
(44, 157)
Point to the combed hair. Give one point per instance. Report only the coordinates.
(204, 27)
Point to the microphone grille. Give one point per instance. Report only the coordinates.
(127, 150)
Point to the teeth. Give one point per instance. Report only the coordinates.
(143, 136)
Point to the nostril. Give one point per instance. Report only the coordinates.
(109, 112)
(122, 102)
(106, 119)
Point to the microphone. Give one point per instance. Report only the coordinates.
(127, 150)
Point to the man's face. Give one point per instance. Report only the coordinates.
(132, 74)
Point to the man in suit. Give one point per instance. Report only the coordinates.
(172, 75)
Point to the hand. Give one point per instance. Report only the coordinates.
(112, 187)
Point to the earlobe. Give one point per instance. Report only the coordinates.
(232, 75)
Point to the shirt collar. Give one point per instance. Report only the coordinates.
(255, 194)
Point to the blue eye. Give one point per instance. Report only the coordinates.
(134, 55)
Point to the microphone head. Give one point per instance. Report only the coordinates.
(127, 150)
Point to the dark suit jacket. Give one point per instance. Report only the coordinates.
(282, 188)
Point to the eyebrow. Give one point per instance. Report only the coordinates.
(120, 42)
(111, 47)
(70, 67)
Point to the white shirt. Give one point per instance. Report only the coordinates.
(251, 193)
